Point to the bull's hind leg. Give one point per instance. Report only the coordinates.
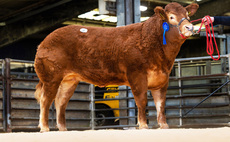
(159, 97)
(65, 92)
(138, 83)
(47, 97)
(141, 102)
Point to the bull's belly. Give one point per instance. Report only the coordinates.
(156, 80)
(102, 79)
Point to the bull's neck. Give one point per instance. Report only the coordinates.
(152, 41)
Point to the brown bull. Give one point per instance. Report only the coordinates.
(132, 55)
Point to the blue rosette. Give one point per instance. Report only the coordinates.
(165, 26)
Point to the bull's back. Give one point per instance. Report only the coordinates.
(95, 54)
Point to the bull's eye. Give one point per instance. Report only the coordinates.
(171, 17)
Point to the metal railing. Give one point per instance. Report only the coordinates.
(210, 75)
(21, 110)
(191, 80)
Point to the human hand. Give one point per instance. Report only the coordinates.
(208, 21)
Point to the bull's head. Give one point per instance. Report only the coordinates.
(178, 17)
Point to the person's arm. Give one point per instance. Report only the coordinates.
(222, 20)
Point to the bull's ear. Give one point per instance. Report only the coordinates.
(192, 8)
(160, 12)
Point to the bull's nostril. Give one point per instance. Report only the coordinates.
(188, 28)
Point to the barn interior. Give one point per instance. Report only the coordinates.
(25, 23)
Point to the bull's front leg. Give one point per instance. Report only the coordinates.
(159, 97)
(138, 84)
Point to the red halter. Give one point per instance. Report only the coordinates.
(178, 27)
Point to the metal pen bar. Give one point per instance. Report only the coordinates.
(92, 106)
(4, 97)
(206, 98)
(8, 95)
(199, 58)
(180, 93)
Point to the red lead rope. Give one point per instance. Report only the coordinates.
(209, 49)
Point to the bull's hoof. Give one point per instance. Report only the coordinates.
(61, 127)
(142, 127)
(44, 130)
(164, 126)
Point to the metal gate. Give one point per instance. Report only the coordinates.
(191, 80)
(21, 110)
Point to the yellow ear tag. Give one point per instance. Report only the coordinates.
(189, 13)
(162, 16)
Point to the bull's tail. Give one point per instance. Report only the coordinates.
(39, 91)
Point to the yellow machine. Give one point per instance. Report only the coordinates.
(107, 104)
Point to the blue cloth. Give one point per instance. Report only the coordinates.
(222, 20)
